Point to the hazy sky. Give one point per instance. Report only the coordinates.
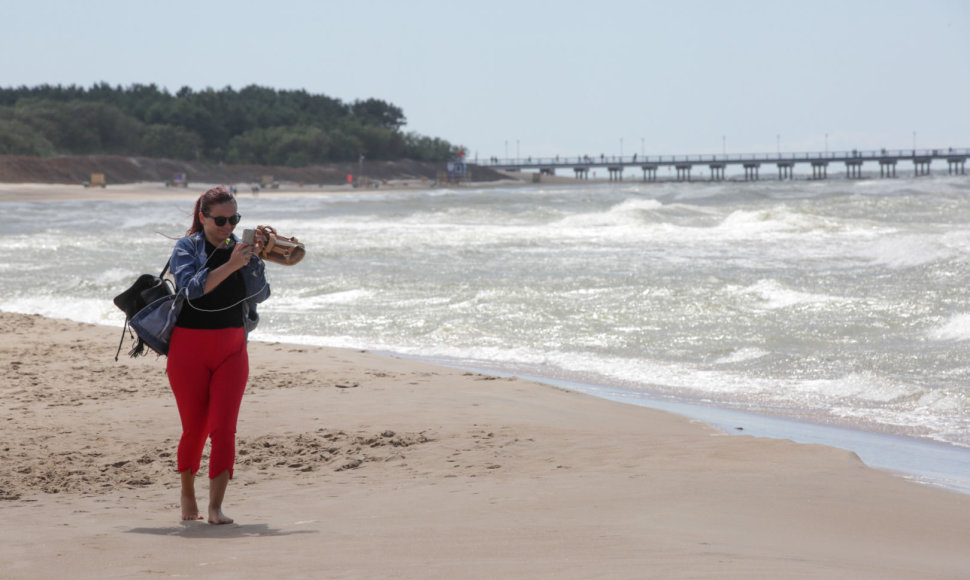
(545, 78)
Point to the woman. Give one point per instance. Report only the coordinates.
(208, 365)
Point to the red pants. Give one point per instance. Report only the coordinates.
(208, 370)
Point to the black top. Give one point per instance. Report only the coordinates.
(231, 292)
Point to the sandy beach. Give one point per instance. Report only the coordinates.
(356, 465)
(21, 192)
(353, 464)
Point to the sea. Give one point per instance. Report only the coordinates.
(833, 311)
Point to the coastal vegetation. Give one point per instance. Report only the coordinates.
(253, 125)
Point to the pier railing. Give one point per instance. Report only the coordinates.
(730, 158)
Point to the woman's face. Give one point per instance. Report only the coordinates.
(220, 212)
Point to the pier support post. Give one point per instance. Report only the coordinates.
(785, 170)
(649, 172)
(956, 166)
(853, 169)
(887, 168)
(921, 166)
(616, 173)
(717, 171)
(751, 171)
(820, 169)
(683, 172)
(581, 172)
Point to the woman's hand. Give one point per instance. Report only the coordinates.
(260, 240)
(241, 254)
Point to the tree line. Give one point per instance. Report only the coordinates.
(254, 125)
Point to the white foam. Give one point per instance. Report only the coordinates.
(308, 340)
(906, 251)
(773, 295)
(864, 386)
(957, 328)
(742, 355)
(777, 220)
(630, 212)
(288, 302)
(114, 277)
(89, 310)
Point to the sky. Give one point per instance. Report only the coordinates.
(545, 78)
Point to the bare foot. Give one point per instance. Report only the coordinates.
(217, 517)
(190, 509)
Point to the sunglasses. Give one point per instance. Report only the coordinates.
(221, 219)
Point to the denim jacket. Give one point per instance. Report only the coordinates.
(190, 272)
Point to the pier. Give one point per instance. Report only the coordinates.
(751, 163)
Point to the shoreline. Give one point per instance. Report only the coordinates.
(412, 470)
(923, 460)
(919, 459)
(41, 192)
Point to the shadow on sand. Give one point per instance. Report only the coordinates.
(204, 530)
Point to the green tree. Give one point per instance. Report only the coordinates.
(253, 125)
(378, 113)
(18, 138)
(300, 146)
(422, 148)
(171, 142)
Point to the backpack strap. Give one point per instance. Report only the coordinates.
(123, 329)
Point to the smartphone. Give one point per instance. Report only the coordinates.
(249, 237)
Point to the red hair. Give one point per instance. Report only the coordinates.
(215, 196)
